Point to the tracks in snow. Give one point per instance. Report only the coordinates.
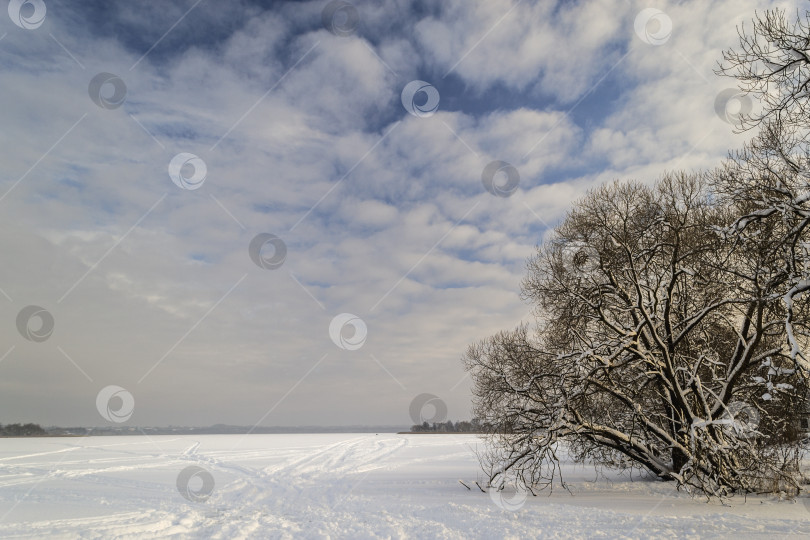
(256, 489)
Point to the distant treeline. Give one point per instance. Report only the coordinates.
(462, 426)
(218, 429)
(34, 430)
(22, 430)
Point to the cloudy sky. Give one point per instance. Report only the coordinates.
(147, 145)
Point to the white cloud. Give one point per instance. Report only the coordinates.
(562, 50)
(402, 225)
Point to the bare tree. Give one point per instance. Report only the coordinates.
(672, 322)
(768, 179)
(772, 65)
(660, 343)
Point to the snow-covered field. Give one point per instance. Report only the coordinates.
(336, 486)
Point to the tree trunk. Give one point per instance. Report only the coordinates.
(679, 459)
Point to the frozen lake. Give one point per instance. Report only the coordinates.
(336, 486)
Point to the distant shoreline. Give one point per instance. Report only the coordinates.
(441, 433)
(41, 435)
(140, 434)
(218, 429)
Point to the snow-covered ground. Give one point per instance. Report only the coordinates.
(336, 486)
